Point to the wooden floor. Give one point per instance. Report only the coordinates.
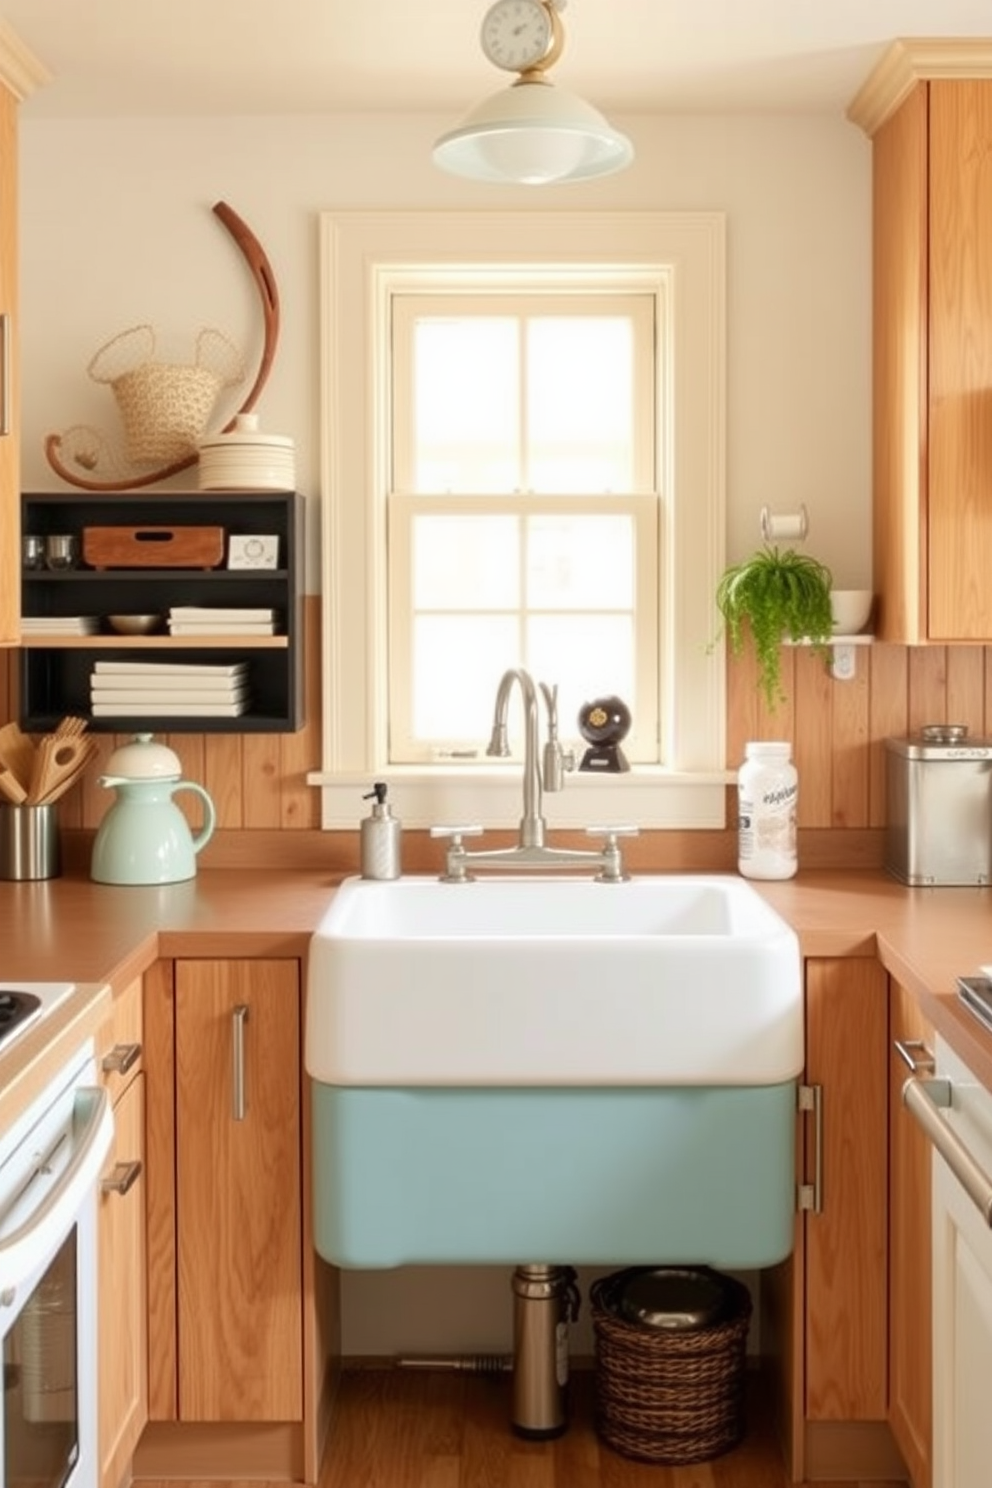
(397, 1429)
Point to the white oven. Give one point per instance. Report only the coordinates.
(50, 1160)
(955, 1110)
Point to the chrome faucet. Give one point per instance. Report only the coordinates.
(531, 854)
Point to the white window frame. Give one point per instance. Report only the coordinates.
(363, 256)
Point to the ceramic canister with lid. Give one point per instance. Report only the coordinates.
(767, 796)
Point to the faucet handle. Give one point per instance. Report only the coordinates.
(456, 857)
(613, 869)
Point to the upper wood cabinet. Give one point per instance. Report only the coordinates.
(932, 347)
(20, 74)
(10, 461)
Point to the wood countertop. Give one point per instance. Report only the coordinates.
(102, 936)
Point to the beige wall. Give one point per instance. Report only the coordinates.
(117, 230)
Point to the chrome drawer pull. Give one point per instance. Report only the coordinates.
(926, 1099)
(120, 1058)
(123, 1177)
(916, 1055)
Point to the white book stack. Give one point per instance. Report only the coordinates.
(152, 689)
(62, 625)
(191, 620)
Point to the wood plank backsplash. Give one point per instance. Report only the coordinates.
(837, 729)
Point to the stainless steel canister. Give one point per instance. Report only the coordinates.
(29, 841)
(938, 790)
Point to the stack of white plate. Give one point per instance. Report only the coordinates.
(247, 460)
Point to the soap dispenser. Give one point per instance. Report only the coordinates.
(382, 837)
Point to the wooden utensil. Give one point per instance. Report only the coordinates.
(71, 727)
(17, 753)
(11, 787)
(57, 764)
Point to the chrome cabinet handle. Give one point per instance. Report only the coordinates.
(239, 1018)
(5, 373)
(811, 1194)
(120, 1058)
(916, 1055)
(925, 1099)
(123, 1177)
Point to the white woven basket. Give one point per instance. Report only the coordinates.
(165, 406)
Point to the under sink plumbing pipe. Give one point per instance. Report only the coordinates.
(460, 1363)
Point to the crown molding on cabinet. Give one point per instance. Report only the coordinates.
(909, 61)
(20, 70)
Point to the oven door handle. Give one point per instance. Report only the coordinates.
(45, 1228)
(925, 1099)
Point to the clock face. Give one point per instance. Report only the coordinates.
(516, 33)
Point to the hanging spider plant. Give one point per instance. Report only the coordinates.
(777, 596)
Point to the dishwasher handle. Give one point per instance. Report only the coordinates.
(925, 1099)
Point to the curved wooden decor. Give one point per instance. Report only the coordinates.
(261, 271)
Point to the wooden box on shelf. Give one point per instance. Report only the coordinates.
(57, 663)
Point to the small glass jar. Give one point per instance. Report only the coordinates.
(767, 797)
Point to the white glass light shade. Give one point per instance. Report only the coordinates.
(533, 134)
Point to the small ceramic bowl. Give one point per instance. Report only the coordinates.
(851, 610)
(134, 624)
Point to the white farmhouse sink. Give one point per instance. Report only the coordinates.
(664, 980)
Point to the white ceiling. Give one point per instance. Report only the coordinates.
(166, 57)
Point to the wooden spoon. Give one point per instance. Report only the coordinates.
(17, 753)
(11, 787)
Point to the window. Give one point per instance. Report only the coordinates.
(522, 511)
(522, 464)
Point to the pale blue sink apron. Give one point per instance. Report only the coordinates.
(584, 1176)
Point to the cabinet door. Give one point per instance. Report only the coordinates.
(238, 1190)
(846, 1244)
(910, 1345)
(960, 360)
(10, 472)
(123, 1385)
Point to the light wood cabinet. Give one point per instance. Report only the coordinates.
(122, 1276)
(243, 1319)
(910, 1289)
(238, 1190)
(932, 363)
(846, 1243)
(10, 464)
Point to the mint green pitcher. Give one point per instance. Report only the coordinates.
(144, 838)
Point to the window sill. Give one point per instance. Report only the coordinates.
(491, 796)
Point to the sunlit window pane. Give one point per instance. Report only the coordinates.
(587, 657)
(466, 405)
(577, 562)
(579, 404)
(457, 663)
(466, 562)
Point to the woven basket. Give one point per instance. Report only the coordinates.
(165, 406)
(673, 1397)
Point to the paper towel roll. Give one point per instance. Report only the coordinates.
(794, 525)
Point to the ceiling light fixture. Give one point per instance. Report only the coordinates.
(531, 133)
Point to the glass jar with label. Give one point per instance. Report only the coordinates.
(767, 796)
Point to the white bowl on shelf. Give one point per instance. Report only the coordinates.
(851, 610)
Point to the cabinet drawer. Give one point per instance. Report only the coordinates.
(120, 1040)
